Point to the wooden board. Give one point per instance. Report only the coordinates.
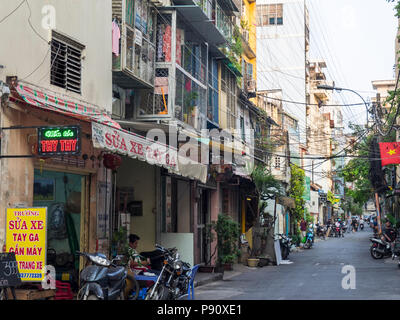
(24, 294)
(328, 232)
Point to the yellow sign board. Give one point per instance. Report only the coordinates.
(26, 236)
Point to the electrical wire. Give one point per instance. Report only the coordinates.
(8, 15)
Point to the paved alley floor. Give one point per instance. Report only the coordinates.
(316, 274)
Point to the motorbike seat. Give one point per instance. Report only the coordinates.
(115, 273)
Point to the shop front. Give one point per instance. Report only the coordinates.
(154, 189)
(48, 161)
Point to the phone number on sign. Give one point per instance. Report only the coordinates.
(30, 275)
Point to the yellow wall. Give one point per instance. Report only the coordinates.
(250, 17)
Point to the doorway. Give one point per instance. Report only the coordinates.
(63, 195)
(203, 218)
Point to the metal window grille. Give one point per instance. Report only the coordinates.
(66, 68)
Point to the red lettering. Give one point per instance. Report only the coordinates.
(133, 144)
(54, 145)
(73, 145)
(140, 149)
(36, 225)
(123, 145)
(44, 146)
(108, 139)
(62, 143)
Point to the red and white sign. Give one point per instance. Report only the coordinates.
(134, 146)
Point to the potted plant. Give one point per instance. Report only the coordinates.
(119, 242)
(227, 231)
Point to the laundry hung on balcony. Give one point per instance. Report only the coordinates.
(116, 36)
(164, 43)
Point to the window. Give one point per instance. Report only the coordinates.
(65, 63)
(269, 14)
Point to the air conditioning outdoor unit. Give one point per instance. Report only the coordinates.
(117, 108)
(251, 85)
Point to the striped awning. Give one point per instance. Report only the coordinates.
(74, 109)
(109, 135)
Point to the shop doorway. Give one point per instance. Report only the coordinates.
(203, 218)
(62, 194)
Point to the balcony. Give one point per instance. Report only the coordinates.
(321, 94)
(247, 49)
(200, 14)
(250, 86)
(134, 66)
(230, 5)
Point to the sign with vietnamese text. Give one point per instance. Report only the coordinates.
(9, 274)
(134, 146)
(59, 140)
(26, 236)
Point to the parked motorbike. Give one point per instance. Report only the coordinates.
(309, 238)
(173, 279)
(344, 229)
(321, 231)
(102, 279)
(378, 248)
(285, 244)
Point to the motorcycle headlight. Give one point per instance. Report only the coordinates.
(178, 265)
(100, 261)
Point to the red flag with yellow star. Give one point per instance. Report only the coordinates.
(390, 152)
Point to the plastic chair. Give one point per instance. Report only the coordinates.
(191, 283)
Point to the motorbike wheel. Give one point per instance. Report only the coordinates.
(285, 253)
(307, 245)
(375, 254)
(161, 293)
(135, 289)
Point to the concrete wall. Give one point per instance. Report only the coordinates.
(87, 22)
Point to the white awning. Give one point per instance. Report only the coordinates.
(139, 147)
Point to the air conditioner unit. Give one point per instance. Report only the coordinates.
(118, 103)
(251, 85)
(117, 108)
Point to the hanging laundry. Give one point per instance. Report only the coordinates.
(167, 43)
(116, 35)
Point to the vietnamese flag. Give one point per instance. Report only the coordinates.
(390, 152)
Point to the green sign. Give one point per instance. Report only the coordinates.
(307, 188)
(59, 140)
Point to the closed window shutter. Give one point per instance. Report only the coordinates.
(66, 66)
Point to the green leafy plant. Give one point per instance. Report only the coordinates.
(119, 241)
(227, 233)
(296, 190)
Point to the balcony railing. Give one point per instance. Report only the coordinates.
(223, 23)
(134, 66)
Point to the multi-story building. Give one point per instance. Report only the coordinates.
(320, 126)
(57, 70)
(383, 89)
(282, 50)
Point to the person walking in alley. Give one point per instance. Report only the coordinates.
(349, 225)
(303, 228)
(354, 224)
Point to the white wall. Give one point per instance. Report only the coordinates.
(87, 22)
(141, 176)
(281, 58)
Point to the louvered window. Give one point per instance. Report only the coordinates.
(66, 65)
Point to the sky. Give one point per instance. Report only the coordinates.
(356, 38)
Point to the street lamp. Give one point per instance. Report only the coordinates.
(326, 87)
